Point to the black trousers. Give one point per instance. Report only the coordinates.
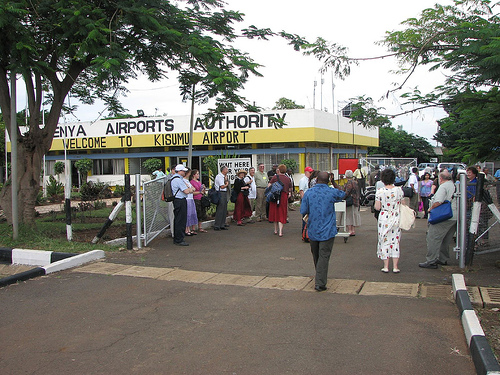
(321, 251)
(180, 219)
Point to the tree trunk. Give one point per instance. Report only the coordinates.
(29, 170)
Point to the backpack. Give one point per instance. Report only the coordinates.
(273, 192)
(168, 195)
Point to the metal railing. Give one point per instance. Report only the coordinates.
(154, 209)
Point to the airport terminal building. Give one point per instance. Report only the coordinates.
(116, 147)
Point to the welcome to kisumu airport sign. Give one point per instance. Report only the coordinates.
(161, 132)
(232, 128)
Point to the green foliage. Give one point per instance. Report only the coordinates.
(59, 167)
(290, 164)
(471, 115)
(152, 165)
(39, 198)
(55, 189)
(84, 166)
(400, 144)
(93, 191)
(463, 39)
(363, 110)
(91, 49)
(210, 162)
(284, 103)
(119, 191)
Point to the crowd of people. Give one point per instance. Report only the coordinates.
(318, 193)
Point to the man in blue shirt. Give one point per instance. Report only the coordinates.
(319, 203)
(180, 191)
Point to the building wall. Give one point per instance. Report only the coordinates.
(311, 137)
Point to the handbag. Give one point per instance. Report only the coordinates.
(234, 196)
(205, 201)
(406, 217)
(441, 213)
(408, 191)
(349, 201)
(214, 195)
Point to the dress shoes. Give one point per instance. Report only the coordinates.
(445, 263)
(432, 265)
(224, 228)
(181, 243)
(320, 288)
(216, 228)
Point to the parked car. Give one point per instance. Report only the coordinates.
(460, 166)
(426, 167)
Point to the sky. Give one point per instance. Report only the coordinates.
(287, 73)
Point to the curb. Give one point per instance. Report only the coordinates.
(48, 262)
(482, 355)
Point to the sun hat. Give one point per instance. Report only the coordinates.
(241, 171)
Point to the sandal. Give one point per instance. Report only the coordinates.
(188, 234)
(202, 231)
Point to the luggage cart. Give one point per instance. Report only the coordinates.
(340, 207)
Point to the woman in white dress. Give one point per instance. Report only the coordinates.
(388, 201)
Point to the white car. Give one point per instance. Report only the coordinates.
(460, 166)
(426, 167)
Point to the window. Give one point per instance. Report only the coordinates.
(108, 166)
(318, 162)
(270, 159)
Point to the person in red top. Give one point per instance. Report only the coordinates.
(278, 211)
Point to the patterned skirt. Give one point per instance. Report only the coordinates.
(192, 218)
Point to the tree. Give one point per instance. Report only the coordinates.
(400, 144)
(290, 164)
(463, 39)
(470, 132)
(92, 49)
(83, 166)
(284, 103)
(59, 167)
(152, 165)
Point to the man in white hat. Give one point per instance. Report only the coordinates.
(180, 191)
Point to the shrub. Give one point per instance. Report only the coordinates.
(152, 165)
(39, 198)
(92, 191)
(59, 167)
(55, 189)
(290, 164)
(119, 191)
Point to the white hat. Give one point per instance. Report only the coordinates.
(181, 167)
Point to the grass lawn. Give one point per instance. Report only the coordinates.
(49, 232)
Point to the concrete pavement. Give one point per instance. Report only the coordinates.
(120, 320)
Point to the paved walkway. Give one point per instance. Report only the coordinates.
(241, 302)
